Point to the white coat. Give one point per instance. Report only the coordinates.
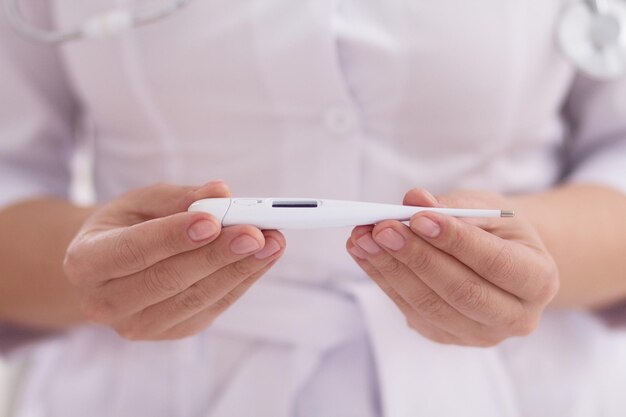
(347, 99)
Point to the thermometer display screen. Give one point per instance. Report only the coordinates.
(294, 204)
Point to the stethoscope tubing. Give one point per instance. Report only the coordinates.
(596, 64)
(55, 37)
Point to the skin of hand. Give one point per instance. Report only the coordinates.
(471, 282)
(151, 270)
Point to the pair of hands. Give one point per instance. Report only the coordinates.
(151, 270)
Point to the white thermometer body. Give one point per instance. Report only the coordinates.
(308, 213)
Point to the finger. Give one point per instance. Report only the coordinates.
(422, 326)
(360, 256)
(199, 296)
(429, 312)
(422, 198)
(133, 293)
(205, 317)
(459, 199)
(513, 267)
(454, 282)
(96, 257)
(422, 299)
(477, 199)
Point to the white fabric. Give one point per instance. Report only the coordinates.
(345, 99)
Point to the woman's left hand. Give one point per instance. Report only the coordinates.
(460, 281)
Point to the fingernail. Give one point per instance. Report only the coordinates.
(244, 244)
(201, 230)
(367, 243)
(432, 198)
(270, 248)
(358, 252)
(390, 239)
(426, 227)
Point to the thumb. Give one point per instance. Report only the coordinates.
(212, 189)
(420, 197)
(161, 200)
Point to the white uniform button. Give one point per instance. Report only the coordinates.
(341, 120)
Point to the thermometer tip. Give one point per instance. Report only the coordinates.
(507, 213)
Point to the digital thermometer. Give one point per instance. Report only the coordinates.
(307, 213)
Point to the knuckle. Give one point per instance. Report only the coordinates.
(434, 337)
(421, 261)
(163, 279)
(184, 330)
(502, 264)
(412, 323)
(170, 241)
(428, 304)
(549, 282)
(126, 253)
(487, 341)
(216, 257)
(486, 337)
(242, 269)
(503, 317)
(455, 239)
(131, 331)
(223, 303)
(431, 334)
(394, 295)
(97, 309)
(439, 338)
(192, 299)
(73, 265)
(526, 323)
(522, 325)
(390, 266)
(469, 295)
(526, 326)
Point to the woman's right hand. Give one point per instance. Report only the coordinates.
(151, 270)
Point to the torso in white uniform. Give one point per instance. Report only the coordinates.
(347, 99)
